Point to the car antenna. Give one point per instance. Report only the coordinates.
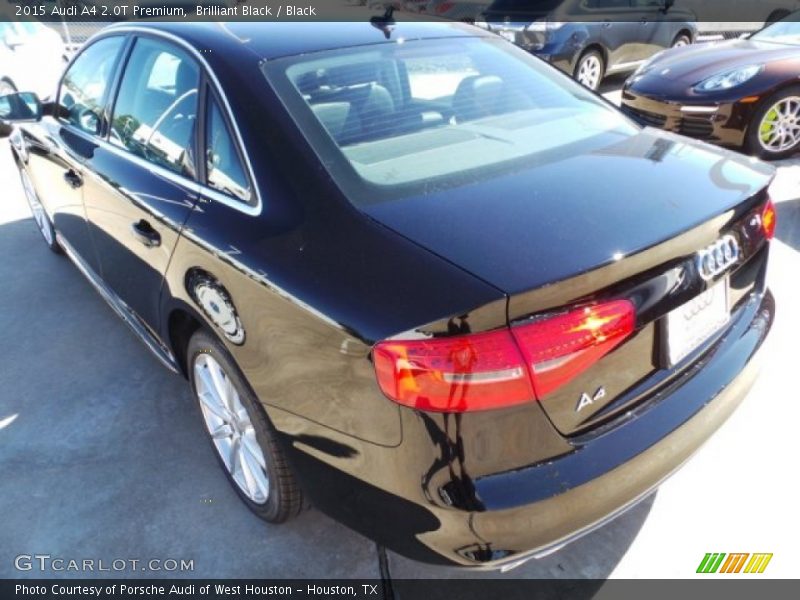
(385, 22)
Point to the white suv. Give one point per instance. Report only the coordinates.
(32, 58)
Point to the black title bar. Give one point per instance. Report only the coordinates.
(755, 12)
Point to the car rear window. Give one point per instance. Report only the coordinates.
(392, 117)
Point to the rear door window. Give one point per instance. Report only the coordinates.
(155, 116)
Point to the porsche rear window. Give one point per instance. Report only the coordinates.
(390, 116)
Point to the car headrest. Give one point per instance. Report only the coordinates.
(186, 78)
(377, 104)
(477, 96)
(334, 116)
(310, 82)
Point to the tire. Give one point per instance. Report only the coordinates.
(7, 86)
(250, 429)
(681, 40)
(778, 113)
(590, 69)
(40, 217)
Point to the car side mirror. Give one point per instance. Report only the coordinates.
(667, 4)
(19, 107)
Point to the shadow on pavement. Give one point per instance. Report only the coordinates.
(103, 454)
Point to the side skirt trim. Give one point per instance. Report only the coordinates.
(163, 354)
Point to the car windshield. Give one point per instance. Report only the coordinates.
(403, 118)
(783, 32)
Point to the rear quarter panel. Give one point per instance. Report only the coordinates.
(293, 357)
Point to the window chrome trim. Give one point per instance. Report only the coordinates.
(218, 196)
(195, 186)
(163, 172)
(252, 209)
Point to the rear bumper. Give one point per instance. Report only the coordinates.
(720, 123)
(437, 504)
(708, 398)
(563, 518)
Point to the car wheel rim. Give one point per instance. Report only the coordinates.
(231, 428)
(39, 215)
(779, 129)
(589, 72)
(680, 43)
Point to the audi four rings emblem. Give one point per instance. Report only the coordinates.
(718, 257)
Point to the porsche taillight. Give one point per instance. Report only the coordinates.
(769, 220)
(500, 368)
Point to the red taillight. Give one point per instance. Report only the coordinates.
(455, 374)
(559, 348)
(769, 220)
(500, 368)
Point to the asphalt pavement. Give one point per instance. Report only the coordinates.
(103, 455)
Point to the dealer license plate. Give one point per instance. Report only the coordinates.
(693, 323)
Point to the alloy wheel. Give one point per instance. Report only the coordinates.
(680, 42)
(590, 71)
(231, 428)
(779, 129)
(39, 214)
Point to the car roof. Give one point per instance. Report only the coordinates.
(271, 40)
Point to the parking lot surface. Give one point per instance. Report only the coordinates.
(103, 455)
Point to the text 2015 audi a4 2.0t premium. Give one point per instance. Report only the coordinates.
(741, 93)
(385, 261)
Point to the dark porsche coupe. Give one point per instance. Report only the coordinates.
(385, 261)
(743, 93)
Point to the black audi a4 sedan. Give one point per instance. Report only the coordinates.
(414, 276)
(742, 93)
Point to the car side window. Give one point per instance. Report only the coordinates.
(224, 169)
(83, 88)
(155, 115)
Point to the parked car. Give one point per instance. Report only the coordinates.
(743, 93)
(32, 57)
(590, 39)
(413, 283)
